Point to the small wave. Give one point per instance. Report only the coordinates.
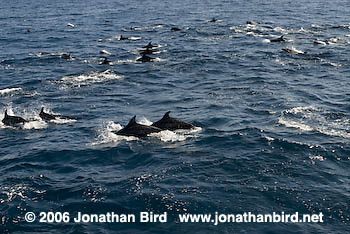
(60, 120)
(14, 192)
(145, 121)
(317, 157)
(135, 38)
(314, 119)
(90, 78)
(147, 28)
(106, 135)
(122, 61)
(9, 90)
(71, 25)
(105, 52)
(18, 191)
(35, 124)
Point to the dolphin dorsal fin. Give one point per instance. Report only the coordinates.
(6, 113)
(166, 115)
(132, 121)
(42, 110)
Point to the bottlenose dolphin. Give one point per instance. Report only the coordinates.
(145, 59)
(136, 129)
(46, 116)
(12, 120)
(280, 39)
(169, 123)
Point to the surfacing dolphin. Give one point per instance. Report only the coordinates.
(147, 51)
(121, 38)
(136, 129)
(169, 123)
(175, 29)
(46, 116)
(12, 120)
(105, 61)
(150, 46)
(145, 59)
(280, 39)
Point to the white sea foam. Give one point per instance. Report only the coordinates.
(317, 157)
(89, 78)
(60, 120)
(105, 52)
(314, 119)
(319, 42)
(122, 61)
(9, 90)
(143, 120)
(134, 38)
(106, 135)
(35, 124)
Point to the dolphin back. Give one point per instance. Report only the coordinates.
(169, 123)
(12, 120)
(136, 129)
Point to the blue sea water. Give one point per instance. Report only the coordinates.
(273, 125)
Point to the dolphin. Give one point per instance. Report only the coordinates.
(293, 51)
(149, 46)
(46, 116)
(145, 59)
(280, 39)
(123, 38)
(12, 120)
(105, 61)
(169, 123)
(66, 56)
(147, 51)
(136, 129)
(175, 29)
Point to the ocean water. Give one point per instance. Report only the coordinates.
(273, 122)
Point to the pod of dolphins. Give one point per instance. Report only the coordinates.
(148, 49)
(12, 120)
(131, 129)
